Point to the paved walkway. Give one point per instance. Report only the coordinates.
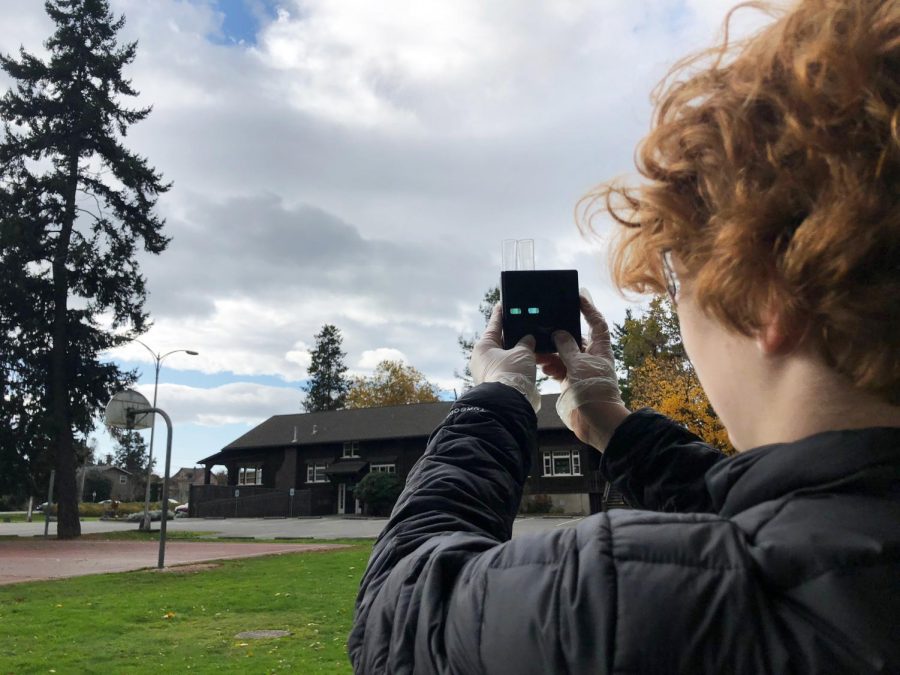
(35, 559)
(329, 527)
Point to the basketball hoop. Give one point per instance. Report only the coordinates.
(129, 410)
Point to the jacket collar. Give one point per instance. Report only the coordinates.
(827, 459)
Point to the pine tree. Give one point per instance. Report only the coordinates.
(327, 387)
(74, 206)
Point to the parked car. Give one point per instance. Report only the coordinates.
(154, 515)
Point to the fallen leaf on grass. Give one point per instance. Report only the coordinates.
(169, 615)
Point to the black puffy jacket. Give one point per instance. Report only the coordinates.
(785, 558)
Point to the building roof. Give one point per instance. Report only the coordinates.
(359, 424)
(102, 468)
(189, 473)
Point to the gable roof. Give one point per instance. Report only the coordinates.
(189, 473)
(103, 468)
(361, 424)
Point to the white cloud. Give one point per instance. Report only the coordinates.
(372, 357)
(362, 162)
(238, 402)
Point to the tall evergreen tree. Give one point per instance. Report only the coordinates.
(327, 386)
(74, 206)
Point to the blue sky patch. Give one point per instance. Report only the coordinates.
(242, 19)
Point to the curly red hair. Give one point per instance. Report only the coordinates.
(772, 172)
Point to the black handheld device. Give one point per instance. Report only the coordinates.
(538, 303)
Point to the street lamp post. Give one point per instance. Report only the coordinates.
(157, 357)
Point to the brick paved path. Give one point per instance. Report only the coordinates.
(31, 560)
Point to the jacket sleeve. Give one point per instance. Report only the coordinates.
(460, 501)
(447, 591)
(659, 465)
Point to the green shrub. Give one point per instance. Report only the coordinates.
(378, 491)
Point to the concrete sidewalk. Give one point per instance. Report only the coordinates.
(38, 559)
(328, 527)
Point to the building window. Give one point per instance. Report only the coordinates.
(250, 475)
(122, 479)
(562, 463)
(351, 449)
(383, 468)
(315, 473)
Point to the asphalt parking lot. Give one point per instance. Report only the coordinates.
(328, 527)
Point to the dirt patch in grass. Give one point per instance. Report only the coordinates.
(188, 569)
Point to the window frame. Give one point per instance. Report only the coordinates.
(352, 446)
(314, 468)
(549, 466)
(245, 469)
(383, 467)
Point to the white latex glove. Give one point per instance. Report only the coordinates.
(590, 403)
(513, 367)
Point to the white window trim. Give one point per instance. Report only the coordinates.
(350, 449)
(574, 457)
(383, 468)
(313, 468)
(123, 479)
(246, 469)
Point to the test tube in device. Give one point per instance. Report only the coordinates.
(525, 255)
(508, 255)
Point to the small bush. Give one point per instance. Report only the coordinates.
(378, 491)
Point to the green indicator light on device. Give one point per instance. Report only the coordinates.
(534, 310)
(515, 310)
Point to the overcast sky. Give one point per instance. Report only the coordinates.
(359, 163)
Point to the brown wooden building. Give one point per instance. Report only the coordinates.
(307, 463)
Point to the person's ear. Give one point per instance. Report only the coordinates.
(777, 336)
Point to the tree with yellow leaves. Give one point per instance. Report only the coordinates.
(655, 372)
(392, 383)
(672, 388)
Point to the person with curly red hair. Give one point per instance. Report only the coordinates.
(769, 212)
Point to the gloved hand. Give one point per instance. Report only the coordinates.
(590, 403)
(513, 367)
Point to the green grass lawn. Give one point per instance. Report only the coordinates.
(151, 622)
